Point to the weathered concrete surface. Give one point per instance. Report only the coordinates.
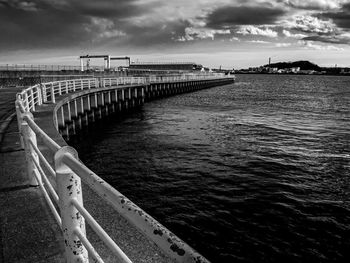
(28, 232)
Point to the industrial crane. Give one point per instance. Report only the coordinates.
(107, 60)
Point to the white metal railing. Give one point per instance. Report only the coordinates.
(67, 197)
(68, 172)
(41, 93)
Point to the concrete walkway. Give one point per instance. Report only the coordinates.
(28, 232)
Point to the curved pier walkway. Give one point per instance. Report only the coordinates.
(28, 232)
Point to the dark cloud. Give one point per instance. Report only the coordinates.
(108, 8)
(39, 28)
(59, 24)
(341, 18)
(161, 34)
(229, 16)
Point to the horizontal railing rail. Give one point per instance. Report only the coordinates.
(61, 182)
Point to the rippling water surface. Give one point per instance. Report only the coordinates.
(257, 171)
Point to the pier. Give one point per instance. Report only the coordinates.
(79, 216)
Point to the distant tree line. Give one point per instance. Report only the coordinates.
(307, 65)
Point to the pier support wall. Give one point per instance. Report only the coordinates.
(78, 110)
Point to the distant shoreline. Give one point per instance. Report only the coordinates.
(299, 74)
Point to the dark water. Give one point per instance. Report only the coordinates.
(257, 171)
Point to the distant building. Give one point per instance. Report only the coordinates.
(295, 70)
(345, 71)
(181, 66)
(307, 71)
(272, 70)
(220, 70)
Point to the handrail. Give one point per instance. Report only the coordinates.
(43, 160)
(47, 198)
(88, 245)
(69, 169)
(53, 146)
(122, 204)
(43, 175)
(101, 233)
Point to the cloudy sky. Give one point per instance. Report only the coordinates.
(231, 33)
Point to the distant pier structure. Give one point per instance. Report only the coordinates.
(179, 66)
(132, 66)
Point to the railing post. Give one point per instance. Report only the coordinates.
(43, 92)
(60, 88)
(32, 99)
(29, 135)
(26, 101)
(19, 119)
(39, 95)
(69, 188)
(52, 90)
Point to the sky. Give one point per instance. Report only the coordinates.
(227, 33)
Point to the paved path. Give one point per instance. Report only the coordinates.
(7, 101)
(28, 232)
